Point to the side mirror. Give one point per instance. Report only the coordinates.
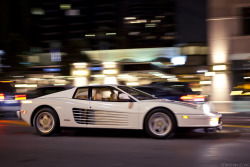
(124, 96)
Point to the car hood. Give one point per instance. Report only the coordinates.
(192, 105)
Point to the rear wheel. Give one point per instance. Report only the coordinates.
(160, 123)
(46, 122)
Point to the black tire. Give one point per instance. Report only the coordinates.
(46, 122)
(166, 124)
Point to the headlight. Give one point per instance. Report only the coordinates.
(206, 108)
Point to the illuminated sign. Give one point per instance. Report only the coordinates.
(96, 68)
(51, 69)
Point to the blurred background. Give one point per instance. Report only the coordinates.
(77, 42)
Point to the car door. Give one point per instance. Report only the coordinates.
(79, 106)
(108, 111)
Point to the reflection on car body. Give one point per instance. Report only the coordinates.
(115, 106)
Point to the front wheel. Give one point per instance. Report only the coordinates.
(46, 122)
(160, 123)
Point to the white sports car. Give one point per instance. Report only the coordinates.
(115, 106)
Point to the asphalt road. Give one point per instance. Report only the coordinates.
(20, 146)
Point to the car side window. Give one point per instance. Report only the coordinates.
(105, 94)
(81, 93)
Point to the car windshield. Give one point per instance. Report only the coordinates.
(140, 95)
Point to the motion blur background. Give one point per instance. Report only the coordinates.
(80, 42)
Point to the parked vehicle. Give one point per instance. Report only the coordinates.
(9, 100)
(179, 91)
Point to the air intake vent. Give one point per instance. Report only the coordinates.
(92, 117)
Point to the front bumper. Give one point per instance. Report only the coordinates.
(212, 120)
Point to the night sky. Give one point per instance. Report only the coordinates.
(191, 20)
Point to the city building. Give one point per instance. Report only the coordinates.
(229, 52)
(108, 24)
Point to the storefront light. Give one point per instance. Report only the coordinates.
(201, 71)
(132, 84)
(233, 93)
(208, 74)
(80, 72)
(109, 64)
(109, 72)
(219, 67)
(205, 82)
(25, 85)
(110, 80)
(80, 65)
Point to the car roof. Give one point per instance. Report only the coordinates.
(61, 86)
(100, 85)
(170, 83)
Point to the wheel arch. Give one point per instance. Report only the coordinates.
(37, 109)
(152, 110)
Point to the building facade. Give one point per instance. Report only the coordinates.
(228, 39)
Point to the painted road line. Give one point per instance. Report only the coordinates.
(237, 126)
(13, 122)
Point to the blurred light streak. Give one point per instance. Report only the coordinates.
(26, 101)
(178, 60)
(110, 80)
(25, 85)
(80, 72)
(80, 65)
(109, 64)
(202, 71)
(219, 67)
(150, 25)
(173, 79)
(65, 6)
(155, 21)
(59, 84)
(72, 12)
(205, 82)
(80, 81)
(6, 81)
(235, 93)
(111, 33)
(89, 35)
(133, 33)
(129, 18)
(13, 122)
(138, 21)
(98, 76)
(2, 52)
(37, 11)
(159, 17)
(20, 97)
(132, 84)
(207, 74)
(110, 71)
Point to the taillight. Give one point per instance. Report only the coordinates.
(193, 98)
(1, 96)
(20, 97)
